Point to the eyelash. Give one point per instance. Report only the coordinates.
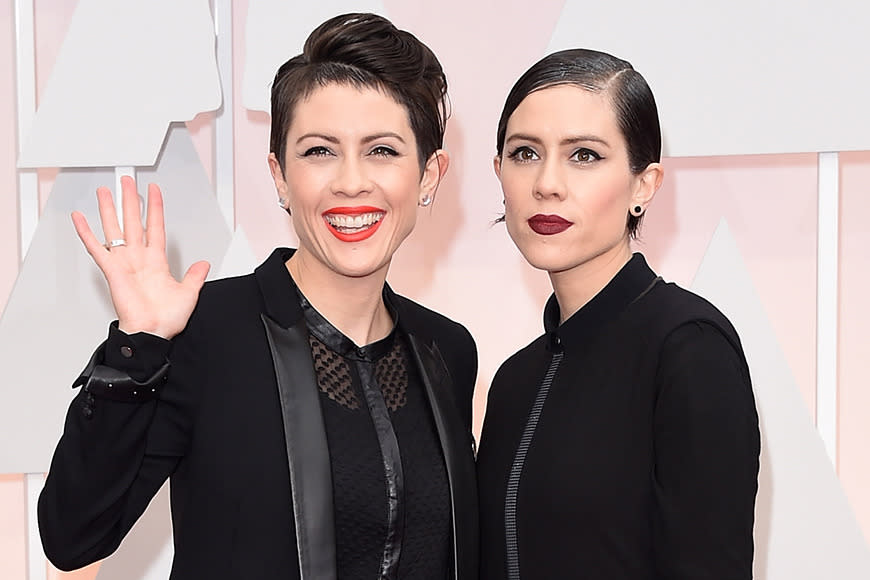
(317, 151)
(588, 152)
(591, 156)
(321, 151)
(384, 151)
(515, 155)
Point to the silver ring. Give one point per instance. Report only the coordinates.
(115, 243)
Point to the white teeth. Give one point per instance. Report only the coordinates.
(354, 222)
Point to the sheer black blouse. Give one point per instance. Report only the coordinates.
(391, 495)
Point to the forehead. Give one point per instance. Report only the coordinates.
(564, 110)
(339, 108)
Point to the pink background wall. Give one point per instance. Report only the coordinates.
(769, 202)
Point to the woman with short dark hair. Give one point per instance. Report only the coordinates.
(313, 423)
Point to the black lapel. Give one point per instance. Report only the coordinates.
(458, 456)
(304, 431)
(307, 450)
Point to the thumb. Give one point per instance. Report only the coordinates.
(194, 278)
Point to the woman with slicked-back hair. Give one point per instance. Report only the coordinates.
(313, 424)
(623, 443)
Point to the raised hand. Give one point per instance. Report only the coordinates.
(145, 295)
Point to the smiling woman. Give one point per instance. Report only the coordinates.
(352, 181)
(351, 403)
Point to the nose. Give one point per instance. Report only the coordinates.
(549, 182)
(351, 178)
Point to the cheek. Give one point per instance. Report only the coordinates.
(304, 186)
(512, 179)
(513, 214)
(610, 197)
(402, 187)
(516, 189)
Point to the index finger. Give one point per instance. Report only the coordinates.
(155, 235)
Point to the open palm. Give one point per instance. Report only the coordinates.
(145, 295)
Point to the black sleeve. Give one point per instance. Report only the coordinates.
(113, 455)
(706, 458)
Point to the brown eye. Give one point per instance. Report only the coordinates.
(523, 154)
(384, 151)
(584, 155)
(317, 151)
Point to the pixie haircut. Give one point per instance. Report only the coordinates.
(364, 51)
(598, 72)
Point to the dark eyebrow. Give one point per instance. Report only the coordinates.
(566, 141)
(376, 136)
(367, 139)
(328, 138)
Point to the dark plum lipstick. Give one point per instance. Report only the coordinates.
(547, 225)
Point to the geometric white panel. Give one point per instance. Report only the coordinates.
(239, 259)
(127, 68)
(275, 32)
(741, 77)
(146, 552)
(59, 308)
(805, 528)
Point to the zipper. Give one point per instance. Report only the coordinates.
(510, 505)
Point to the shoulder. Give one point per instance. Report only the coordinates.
(701, 364)
(223, 293)
(529, 360)
(223, 303)
(451, 339)
(674, 300)
(428, 324)
(668, 307)
(701, 345)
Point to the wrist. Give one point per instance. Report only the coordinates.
(131, 328)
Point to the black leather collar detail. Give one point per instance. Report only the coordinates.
(458, 455)
(393, 474)
(323, 330)
(307, 449)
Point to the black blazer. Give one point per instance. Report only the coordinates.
(236, 424)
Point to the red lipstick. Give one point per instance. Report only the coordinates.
(340, 222)
(353, 210)
(547, 225)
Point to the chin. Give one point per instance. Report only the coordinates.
(357, 268)
(548, 259)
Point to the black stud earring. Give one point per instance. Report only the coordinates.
(637, 211)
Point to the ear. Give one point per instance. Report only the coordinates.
(647, 184)
(496, 165)
(278, 176)
(433, 173)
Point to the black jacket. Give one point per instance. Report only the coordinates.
(623, 443)
(237, 426)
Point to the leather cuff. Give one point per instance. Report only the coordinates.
(105, 382)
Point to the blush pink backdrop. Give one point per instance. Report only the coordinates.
(769, 202)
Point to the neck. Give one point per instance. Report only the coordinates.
(575, 287)
(355, 306)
